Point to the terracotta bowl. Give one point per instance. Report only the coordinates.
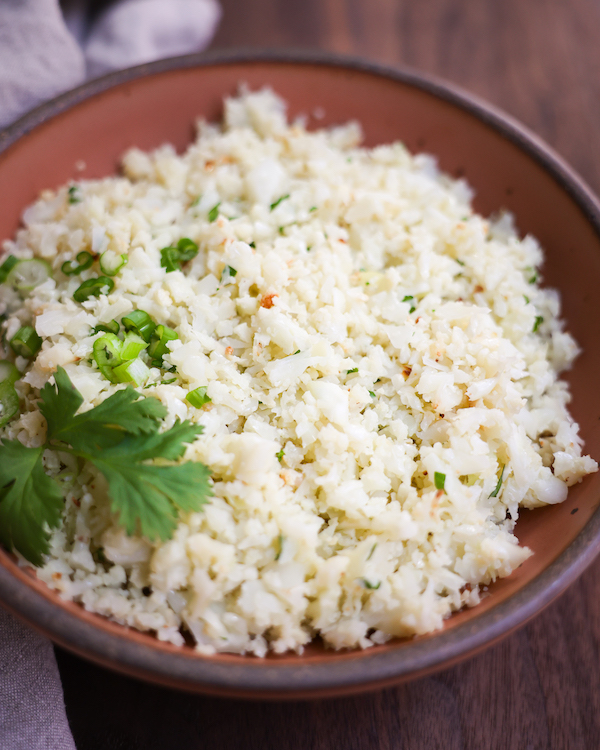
(509, 168)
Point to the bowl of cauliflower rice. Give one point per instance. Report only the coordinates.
(297, 374)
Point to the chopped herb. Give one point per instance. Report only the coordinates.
(368, 585)
(370, 555)
(74, 194)
(500, 478)
(526, 298)
(407, 298)
(198, 397)
(281, 230)
(119, 437)
(9, 403)
(93, 288)
(460, 262)
(83, 260)
(311, 209)
(139, 322)
(26, 343)
(278, 201)
(227, 274)
(309, 248)
(214, 212)
(539, 319)
(171, 257)
(439, 480)
(112, 327)
(279, 455)
(7, 267)
(252, 244)
(372, 394)
(533, 274)
(352, 371)
(280, 540)
(297, 351)
(195, 201)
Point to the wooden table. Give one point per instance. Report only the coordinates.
(540, 61)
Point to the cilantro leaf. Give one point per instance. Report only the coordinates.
(119, 437)
(59, 402)
(101, 427)
(147, 498)
(29, 499)
(169, 444)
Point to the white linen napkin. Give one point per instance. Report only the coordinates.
(45, 50)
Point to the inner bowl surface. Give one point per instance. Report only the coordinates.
(83, 135)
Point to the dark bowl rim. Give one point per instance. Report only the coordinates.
(370, 669)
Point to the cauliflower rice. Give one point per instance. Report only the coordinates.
(377, 335)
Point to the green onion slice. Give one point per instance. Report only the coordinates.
(93, 288)
(160, 338)
(198, 397)
(26, 342)
(83, 260)
(139, 322)
(171, 258)
(112, 327)
(111, 263)
(8, 372)
(6, 267)
(439, 480)
(27, 274)
(132, 345)
(108, 351)
(9, 403)
(499, 485)
(134, 371)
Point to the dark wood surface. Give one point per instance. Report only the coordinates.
(539, 60)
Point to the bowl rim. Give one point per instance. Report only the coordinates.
(370, 669)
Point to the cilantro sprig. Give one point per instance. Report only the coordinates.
(119, 437)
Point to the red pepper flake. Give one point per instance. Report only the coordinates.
(267, 301)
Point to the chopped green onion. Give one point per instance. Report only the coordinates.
(74, 195)
(134, 371)
(108, 351)
(112, 327)
(280, 541)
(111, 263)
(198, 397)
(311, 209)
(214, 212)
(132, 346)
(407, 298)
(534, 277)
(469, 479)
(8, 372)
(9, 403)
(368, 585)
(460, 262)
(27, 274)
(539, 319)
(26, 342)
(279, 455)
(158, 346)
(352, 371)
(372, 394)
(296, 352)
(6, 267)
(139, 322)
(500, 478)
(72, 268)
(227, 274)
(370, 555)
(439, 480)
(93, 288)
(278, 201)
(109, 373)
